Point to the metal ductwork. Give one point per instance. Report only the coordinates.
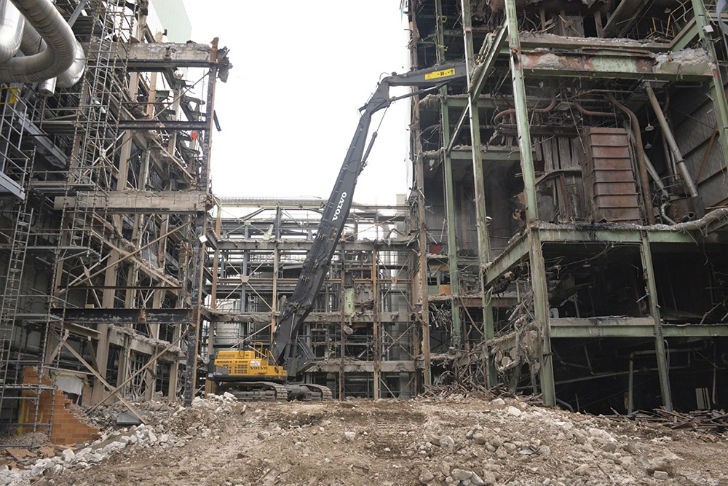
(50, 46)
(11, 30)
(73, 74)
(33, 43)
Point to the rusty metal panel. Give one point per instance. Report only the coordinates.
(560, 191)
(610, 152)
(608, 174)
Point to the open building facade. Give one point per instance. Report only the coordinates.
(105, 192)
(565, 234)
(581, 176)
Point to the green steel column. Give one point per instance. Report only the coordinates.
(519, 98)
(452, 255)
(649, 276)
(702, 21)
(541, 312)
(537, 264)
(478, 183)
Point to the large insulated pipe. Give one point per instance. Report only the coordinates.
(671, 142)
(11, 30)
(73, 74)
(58, 36)
(33, 43)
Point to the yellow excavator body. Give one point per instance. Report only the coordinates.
(252, 374)
(247, 364)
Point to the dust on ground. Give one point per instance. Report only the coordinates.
(453, 441)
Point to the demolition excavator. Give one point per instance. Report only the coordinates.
(262, 373)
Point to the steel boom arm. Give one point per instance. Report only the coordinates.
(285, 349)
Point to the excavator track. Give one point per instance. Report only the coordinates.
(323, 391)
(307, 392)
(257, 390)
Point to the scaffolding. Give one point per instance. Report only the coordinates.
(577, 161)
(109, 220)
(363, 339)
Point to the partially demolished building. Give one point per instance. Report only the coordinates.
(104, 193)
(581, 177)
(565, 234)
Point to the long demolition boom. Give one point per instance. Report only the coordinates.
(296, 357)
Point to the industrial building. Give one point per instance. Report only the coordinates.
(105, 191)
(582, 178)
(565, 234)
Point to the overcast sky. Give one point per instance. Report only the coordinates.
(290, 106)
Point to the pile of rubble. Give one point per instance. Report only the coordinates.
(705, 421)
(428, 441)
(168, 428)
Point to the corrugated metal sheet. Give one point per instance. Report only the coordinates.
(609, 179)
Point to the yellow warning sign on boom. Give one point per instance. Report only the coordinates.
(440, 74)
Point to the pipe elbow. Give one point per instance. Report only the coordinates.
(11, 30)
(73, 74)
(58, 36)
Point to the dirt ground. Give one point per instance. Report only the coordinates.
(425, 441)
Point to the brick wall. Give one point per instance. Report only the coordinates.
(66, 426)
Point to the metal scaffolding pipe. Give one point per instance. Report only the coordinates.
(58, 36)
(11, 30)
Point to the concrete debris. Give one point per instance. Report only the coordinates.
(68, 455)
(513, 411)
(463, 442)
(426, 477)
(661, 475)
(127, 418)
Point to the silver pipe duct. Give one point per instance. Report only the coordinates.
(57, 34)
(47, 87)
(73, 74)
(11, 30)
(33, 43)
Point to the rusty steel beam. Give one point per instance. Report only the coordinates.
(610, 64)
(138, 201)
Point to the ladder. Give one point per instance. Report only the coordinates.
(10, 297)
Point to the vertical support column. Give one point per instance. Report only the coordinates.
(422, 308)
(244, 271)
(210, 384)
(452, 254)
(102, 342)
(342, 312)
(159, 295)
(479, 185)
(274, 294)
(519, 98)
(173, 370)
(197, 271)
(419, 286)
(717, 93)
(377, 326)
(649, 277)
(537, 264)
(539, 287)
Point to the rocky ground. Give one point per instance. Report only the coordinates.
(452, 441)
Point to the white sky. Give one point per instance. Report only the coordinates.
(289, 108)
